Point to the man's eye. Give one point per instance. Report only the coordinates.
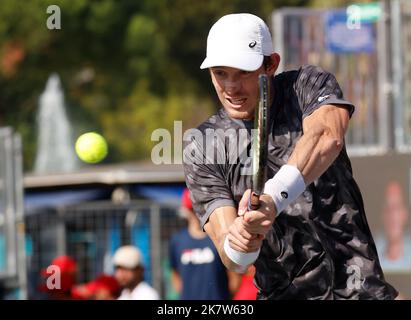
(219, 73)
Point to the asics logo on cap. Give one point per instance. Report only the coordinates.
(252, 44)
(284, 194)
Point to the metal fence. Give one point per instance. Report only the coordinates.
(12, 251)
(91, 232)
(401, 59)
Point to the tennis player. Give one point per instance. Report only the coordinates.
(310, 238)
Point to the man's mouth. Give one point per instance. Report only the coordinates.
(237, 101)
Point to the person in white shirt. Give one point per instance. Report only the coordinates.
(129, 272)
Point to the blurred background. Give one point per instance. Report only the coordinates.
(126, 68)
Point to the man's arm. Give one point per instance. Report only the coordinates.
(318, 147)
(316, 150)
(321, 142)
(224, 222)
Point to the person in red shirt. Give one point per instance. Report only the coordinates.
(104, 287)
(59, 278)
(247, 289)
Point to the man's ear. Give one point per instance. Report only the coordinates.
(274, 63)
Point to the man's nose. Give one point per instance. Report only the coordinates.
(232, 85)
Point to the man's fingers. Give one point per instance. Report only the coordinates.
(258, 223)
(246, 235)
(242, 231)
(251, 217)
(236, 236)
(263, 211)
(239, 245)
(241, 239)
(243, 205)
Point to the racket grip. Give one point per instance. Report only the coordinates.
(253, 201)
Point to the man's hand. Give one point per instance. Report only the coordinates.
(240, 239)
(257, 222)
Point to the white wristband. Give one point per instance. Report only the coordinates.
(286, 186)
(240, 258)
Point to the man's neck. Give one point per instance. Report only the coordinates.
(133, 286)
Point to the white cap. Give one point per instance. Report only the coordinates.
(239, 41)
(128, 257)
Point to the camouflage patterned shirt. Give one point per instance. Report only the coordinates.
(320, 246)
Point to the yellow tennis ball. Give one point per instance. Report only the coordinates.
(91, 147)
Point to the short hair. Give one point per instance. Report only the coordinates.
(267, 61)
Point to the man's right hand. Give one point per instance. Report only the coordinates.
(240, 239)
(257, 221)
(227, 231)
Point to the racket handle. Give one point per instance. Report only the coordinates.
(253, 201)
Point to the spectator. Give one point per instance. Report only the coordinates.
(104, 287)
(395, 248)
(59, 278)
(130, 275)
(197, 271)
(247, 290)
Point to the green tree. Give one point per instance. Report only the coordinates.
(127, 67)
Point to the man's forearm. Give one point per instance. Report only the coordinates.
(321, 142)
(314, 153)
(217, 229)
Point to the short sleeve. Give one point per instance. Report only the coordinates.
(173, 253)
(315, 87)
(207, 184)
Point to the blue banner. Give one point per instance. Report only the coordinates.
(345, 36)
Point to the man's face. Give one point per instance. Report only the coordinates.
(395, 216)
(127, 278)
(237, 90)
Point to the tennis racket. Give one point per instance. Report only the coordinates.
(260, 144)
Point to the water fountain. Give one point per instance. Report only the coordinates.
(55, 148)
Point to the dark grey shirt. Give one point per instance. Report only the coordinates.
(320, 246)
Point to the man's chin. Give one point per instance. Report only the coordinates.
(239, 114)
